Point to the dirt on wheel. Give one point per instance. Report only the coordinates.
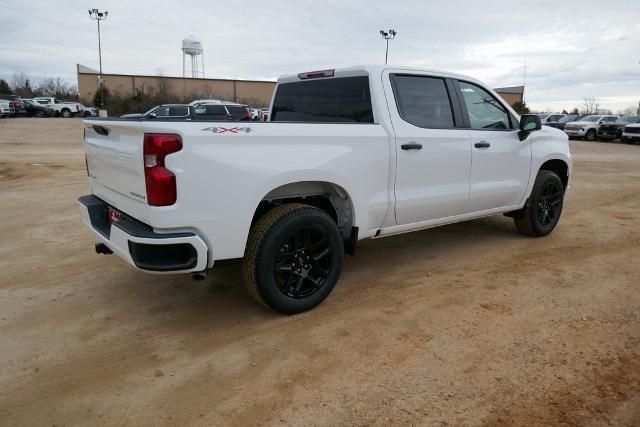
(465, 324)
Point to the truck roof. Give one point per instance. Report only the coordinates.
(363, 70)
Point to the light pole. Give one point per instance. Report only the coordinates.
(387, 35)
(98, 16)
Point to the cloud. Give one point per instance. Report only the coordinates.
(573, 48)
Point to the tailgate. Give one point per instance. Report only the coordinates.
(115, 157)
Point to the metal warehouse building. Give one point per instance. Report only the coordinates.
(253, 92)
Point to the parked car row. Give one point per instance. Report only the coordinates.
(594, 126)
(200, 109)
(43, 106)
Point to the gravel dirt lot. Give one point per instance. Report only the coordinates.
(466, 324)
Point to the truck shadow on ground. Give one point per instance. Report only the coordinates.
(220, 301)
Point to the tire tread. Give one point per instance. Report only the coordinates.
(524, 221)
(257, 235)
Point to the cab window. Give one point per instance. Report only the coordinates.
(422, 101)
(485, 111)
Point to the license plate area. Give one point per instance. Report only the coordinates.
(114, 215)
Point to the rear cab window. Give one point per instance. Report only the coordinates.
(422, 101)
(333, 100)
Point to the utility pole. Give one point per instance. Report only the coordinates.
(98, 16)
(387, 35)
(524, 78)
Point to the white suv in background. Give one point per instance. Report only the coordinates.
(587, 127)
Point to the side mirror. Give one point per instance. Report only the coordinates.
(529, 123)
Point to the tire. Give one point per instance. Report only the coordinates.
(542, 211)
(66, 113)
(590, 135)
(293, 258)
(40, 114)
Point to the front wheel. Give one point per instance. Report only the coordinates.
(591, 135)
(293, 258)
(541, 213)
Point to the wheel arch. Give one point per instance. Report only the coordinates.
(327, 196)
(559, 167)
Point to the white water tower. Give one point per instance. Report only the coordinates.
(192, 47)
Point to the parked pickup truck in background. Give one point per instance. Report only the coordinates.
(613, 130)
(587, 127)
(349, 154)
(631, 134)
(6, 108)
(61, 108)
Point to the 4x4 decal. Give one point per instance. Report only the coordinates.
(227, 130)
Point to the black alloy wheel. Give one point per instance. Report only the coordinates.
(541, 213)
(548, 205)
(303, 262)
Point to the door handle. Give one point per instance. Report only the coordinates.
(411, 146)
(482, 144)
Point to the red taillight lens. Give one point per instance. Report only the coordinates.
(161, 182)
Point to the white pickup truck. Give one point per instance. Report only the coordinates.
(348, 154)
(61, 108)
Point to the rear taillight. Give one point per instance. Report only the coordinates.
(247, 116)
(161, 182)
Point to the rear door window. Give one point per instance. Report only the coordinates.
(423, 101)
(343, 99)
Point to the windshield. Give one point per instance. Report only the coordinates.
(566, 119)
(629, 119)
(590, 119)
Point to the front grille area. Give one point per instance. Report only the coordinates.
(632, 129)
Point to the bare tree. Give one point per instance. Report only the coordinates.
(590, 106)
(58, 88)
(629, 111)
(23, 84)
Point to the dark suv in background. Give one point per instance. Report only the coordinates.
(560, 123)
(613, 130)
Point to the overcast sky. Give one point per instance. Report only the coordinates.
(573, 49)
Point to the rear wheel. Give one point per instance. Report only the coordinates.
(66, 113)
(541, 213)
(591, 135)
(293, 258)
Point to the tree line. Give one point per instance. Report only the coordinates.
(25, 86)
(588, 107)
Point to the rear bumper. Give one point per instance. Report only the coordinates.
(142, 247)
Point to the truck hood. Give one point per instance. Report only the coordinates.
(581, 123)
